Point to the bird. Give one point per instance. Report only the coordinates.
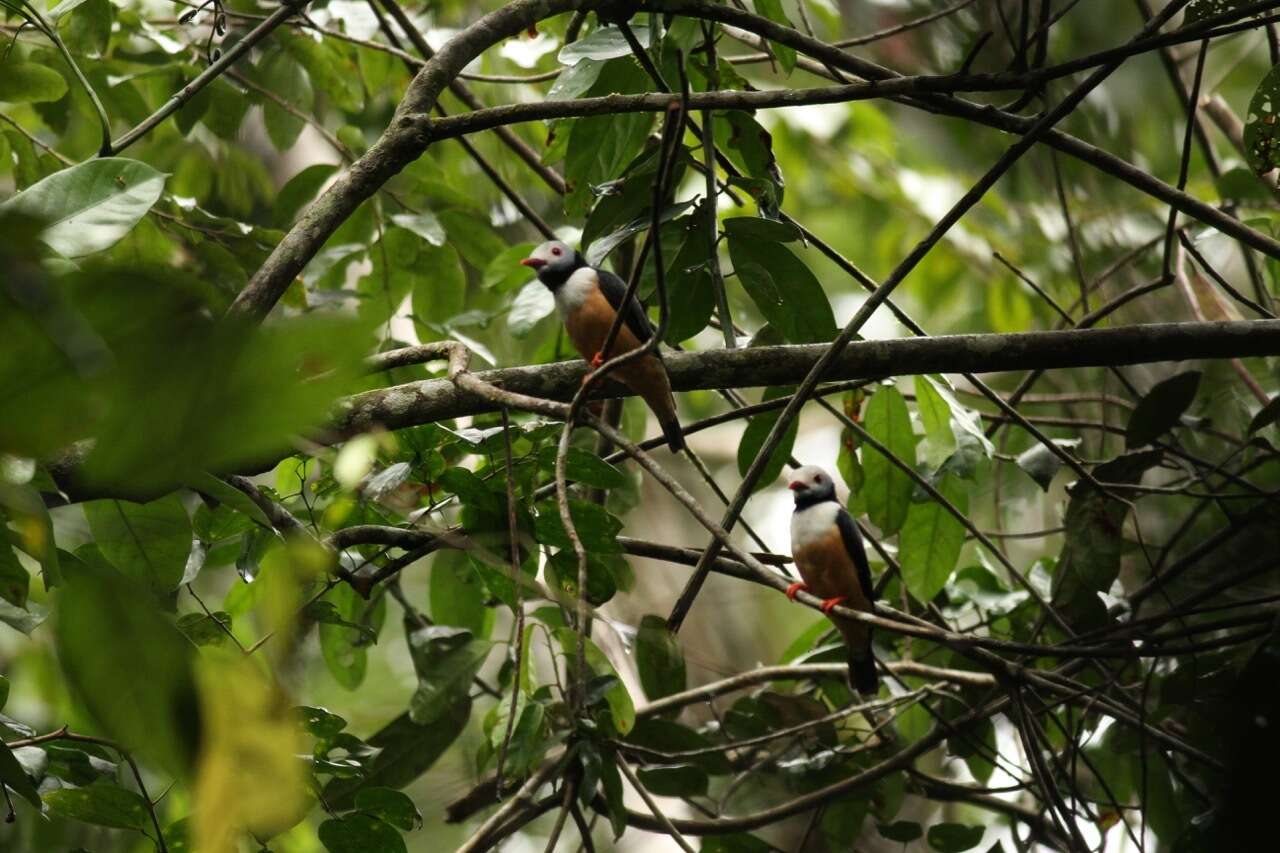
(827, 549)
(588, 299)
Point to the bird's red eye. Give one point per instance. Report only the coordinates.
(555, 251)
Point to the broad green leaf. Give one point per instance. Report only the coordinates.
(391, 806)
(784, 289)
(1042, 464)
(669, 737)
(533, 303)
(756, 228)
(28, 82)
(284, 77)
(346, 649)
(1267, 415)
(562, 575)
(930, 540)
(406, 751)
(300, 190)
(901, 831)
(622, 709)
(596, 527)
(678, 781)
(575, 80)
(954, 837)
(439, 291)
(102, 804)
(691, 296)
(603, 43)
(14, 579)
(148, 542)
(456, 596)
(1090, 558)
(360, 833)
(753, 438)
(601, 146)
(1161, 409)
(935, 415)
(888, 488)
(425, 224)
(320, 722)
(1262, 124)
(108, 631)
(11, 772)
(659, 658)
(584, 467)
(89, 207)
(772, 9)
(446, 659)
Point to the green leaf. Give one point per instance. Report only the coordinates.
(360, 833)
(425, 224)
(456, 596)
(1262, 124)
(28, 82)
(406, 750)
(691, 296)
(611, 781)
(300, 190)
(320, 722)
(64, 8)
(1266, 416)
(601, 146)
(659, 658)
(11, 772)
(783, 288)
(622, 709)
(575, 80)
(439, 291)
(532, 304)
(930, 540)
(102, 804)
(229, 495)
(1042, 464)
(954, 837)
(108, 631)
(756, 228)
(669, 737)
(753, 438)
(584, 467)
(1161, 409)
(601, 44)
(888, 489)
(206, 629)
(738, 842)
(4, 691)
(446, 659)
(148, 542)
(597, 527)
(346, 649)
(901, 831)
(14, 579)
(680, 781)
(772, 9)
(1090, 558)
(89, 207)
(391, 806)
(283, 76)
(935, 415)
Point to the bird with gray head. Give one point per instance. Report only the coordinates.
(588, 299)
(827, 549)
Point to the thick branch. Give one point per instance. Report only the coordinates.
(433, 400)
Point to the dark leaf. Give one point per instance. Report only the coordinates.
(755, 228)
(1262, 125)
(1161, 409)
(584, 467)
(772, 9)
(954, 837)
(930, 540)
(784, 289)
(102, 804)
(901, 831)
(456, 595)
(360, 833)
(348, 626)
(320, 722)
(682, 781)
(148, 542)
(1266, 416)
(659, 658)
(391, 806)
(446, 659)
(753, 438)
(669, 737)
(13, 775)
(888, 488)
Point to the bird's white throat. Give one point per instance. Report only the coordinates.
(575, 290)
(813, 523)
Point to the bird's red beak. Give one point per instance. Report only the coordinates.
(533, 263)
(796, 486)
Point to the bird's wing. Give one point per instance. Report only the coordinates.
(615, 290)
(853, 544)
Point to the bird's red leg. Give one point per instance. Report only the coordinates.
(829, 603)
(597, 360)
(796, 587)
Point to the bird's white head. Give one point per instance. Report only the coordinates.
(553, 261)
(811, 485)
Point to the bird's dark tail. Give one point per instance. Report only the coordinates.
(862, 672)
(675, 435)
